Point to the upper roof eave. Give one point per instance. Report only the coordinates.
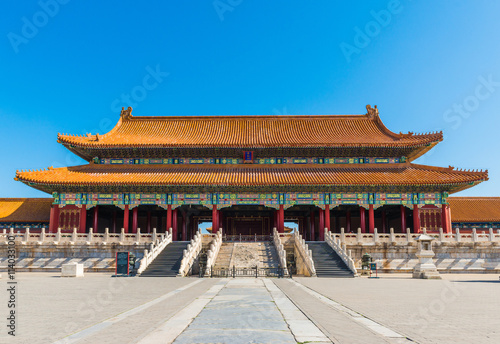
(246, 133)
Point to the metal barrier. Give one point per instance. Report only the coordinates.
(249, 272)
(246, 238)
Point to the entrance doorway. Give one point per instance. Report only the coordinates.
(249, 225)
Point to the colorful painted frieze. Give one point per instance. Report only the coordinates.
(236, 161)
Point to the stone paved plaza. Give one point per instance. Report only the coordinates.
(461, 308)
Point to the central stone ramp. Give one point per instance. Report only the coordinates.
(247, 255)
(250, 311)
(327, 262)
(168, 261)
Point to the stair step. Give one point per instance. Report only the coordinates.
(168, 262)
(327, 262)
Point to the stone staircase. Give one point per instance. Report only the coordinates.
(223, 260)
(168, 261)
(327, 262)
(247, 255)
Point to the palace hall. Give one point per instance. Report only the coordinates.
(249, 174)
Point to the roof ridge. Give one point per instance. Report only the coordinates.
(450, 169)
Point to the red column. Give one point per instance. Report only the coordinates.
(135, 212)
(403, 219)
(327, 216)
(445, 218)
(148, 225)
(371, 219)
(384, 222)
(312, 234)
(416, 219)
(126, 218)
(83, 219)
(169, 217)
(174, 225)
(215, 220)
(281, 219)
(54, 218)
(348, 221)
(362, 215)
(96, 218)
(321, 228)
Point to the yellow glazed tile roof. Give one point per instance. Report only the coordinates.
(244, 175)
(475, 209)
(250, 132)
(25, 209)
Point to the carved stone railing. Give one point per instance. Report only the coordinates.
(154, 250)
(75, 238)
(305, 253)
(190, 254)
(341, 250)
(458, 237)
(281, 250)
(213, 252)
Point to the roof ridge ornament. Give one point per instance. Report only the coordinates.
(409, 134)
(126, 114)
(371, 112)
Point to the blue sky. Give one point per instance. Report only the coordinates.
(68, 66)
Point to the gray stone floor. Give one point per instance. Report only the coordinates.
(461, 308)
(242, 312)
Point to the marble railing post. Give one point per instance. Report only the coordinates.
(90, 235)
(106, 235)
(457, 235)
(27, 235)
(73, 235)
(342, 234)
(359, 237)
(391, 235)
(441, 234)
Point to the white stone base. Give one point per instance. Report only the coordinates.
(72, 270)
(426, 271)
